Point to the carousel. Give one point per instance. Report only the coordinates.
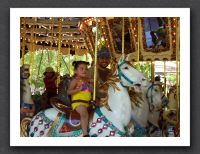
(139, 102)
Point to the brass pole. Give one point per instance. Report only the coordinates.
(123, 56)
(59, 50)
(95, 59)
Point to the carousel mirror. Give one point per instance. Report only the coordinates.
(115, 25)
(155, 34)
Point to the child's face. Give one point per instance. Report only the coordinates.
(81, 71)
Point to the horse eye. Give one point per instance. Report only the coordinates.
(156, 90)
(126, 67)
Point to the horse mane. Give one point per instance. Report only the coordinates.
(136, 98)
(104, 88)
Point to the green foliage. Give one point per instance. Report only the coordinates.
(43, 59)
(171, 78)
(145, 68)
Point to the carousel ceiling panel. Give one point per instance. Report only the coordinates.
(44, 31)
(147, 38)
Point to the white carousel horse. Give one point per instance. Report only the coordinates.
(27, 107)
(104, 122)
(151, 101)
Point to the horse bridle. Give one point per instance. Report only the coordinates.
(121, 74)
(150, 89)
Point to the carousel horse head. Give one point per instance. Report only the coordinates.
(155, 96)
(129, 76)
(26, 103)
(24, 71)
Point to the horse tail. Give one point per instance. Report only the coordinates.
(24, 127)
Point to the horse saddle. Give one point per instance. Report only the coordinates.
(63, 108)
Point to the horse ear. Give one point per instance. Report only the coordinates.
(126, 57)
(121, 59)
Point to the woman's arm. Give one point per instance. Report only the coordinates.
(73, 87)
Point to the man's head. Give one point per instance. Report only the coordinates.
(103, 58)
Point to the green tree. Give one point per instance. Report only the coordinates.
(43, 59)
(145, 68)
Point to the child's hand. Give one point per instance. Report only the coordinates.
(79, 88)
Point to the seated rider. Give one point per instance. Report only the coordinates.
(103, 73)
(50, 77)
(81, 93)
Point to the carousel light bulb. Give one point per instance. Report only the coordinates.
(174, 33)
(174, 26)
(134, 28)
(135, 35)
(174, 41)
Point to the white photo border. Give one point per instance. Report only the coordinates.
(183, 13)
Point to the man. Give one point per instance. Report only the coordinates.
(103, 60)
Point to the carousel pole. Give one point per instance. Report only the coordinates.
(123, 55)
(152, 70)
(95, 59)
(177, 68)
(51, 41)
(138, 41)
(33, 47)
(165, 77)
(59, 50)
(24, 40)
(31, 51)
(69, 61)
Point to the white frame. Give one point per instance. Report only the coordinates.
(183, 13)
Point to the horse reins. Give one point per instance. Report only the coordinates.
(151, 88)
(121, 74)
